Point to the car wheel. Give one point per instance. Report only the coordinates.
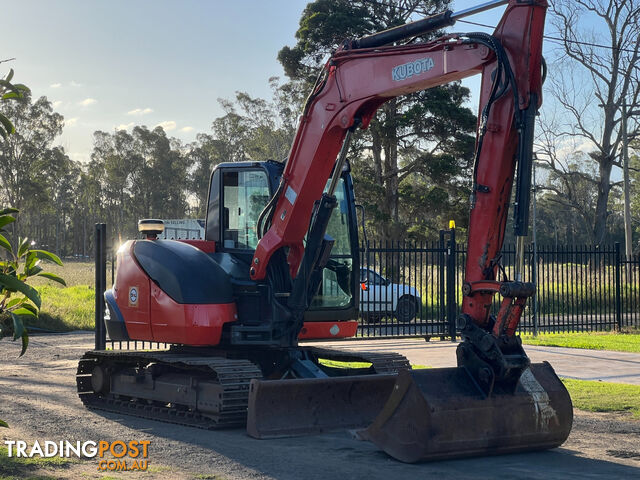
(406, 309)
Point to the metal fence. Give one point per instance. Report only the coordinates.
(415, 289)
(578, 288)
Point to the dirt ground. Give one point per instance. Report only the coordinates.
(38, 399)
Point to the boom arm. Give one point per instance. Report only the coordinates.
(356, 81)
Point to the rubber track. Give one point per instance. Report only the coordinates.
(234, 374)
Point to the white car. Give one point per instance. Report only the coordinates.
(379, 297)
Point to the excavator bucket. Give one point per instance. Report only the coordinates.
(285, 408)
(442, 413)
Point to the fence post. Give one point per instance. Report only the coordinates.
(618, 288)
(100, 284)
(534, 298)
(451, 284)
(442, 301)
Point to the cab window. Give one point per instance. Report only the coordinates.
(335, 290)
(245, 194)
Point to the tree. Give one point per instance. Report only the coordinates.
(594, 74)
(37, 126)
(635, 191)
(137, 175)
(569, 201)
(411, 158)
(251, 129)
(35, 176)
(203, 155)
(258, 129)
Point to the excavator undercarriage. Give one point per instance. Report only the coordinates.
(199, 387)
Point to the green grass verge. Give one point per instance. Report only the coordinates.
(65, 309)
(604, 396)
(74, 273)
(620, 342)
(12, 468)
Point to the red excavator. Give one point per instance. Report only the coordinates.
(280, 260)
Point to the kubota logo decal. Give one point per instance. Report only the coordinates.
(408, 70)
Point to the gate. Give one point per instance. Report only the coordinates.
(408, 290)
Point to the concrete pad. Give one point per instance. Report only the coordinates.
(601, 365)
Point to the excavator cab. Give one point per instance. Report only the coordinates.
(238, 194)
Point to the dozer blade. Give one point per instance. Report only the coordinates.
(441, 413)
(285, 408)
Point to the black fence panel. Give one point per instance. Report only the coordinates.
(580, 288)
(414, 289)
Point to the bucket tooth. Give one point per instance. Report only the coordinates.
(437, 414)
(285, 408)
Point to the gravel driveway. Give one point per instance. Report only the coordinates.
(38, 399)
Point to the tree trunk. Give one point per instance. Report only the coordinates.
(604, 188)
(390, 172)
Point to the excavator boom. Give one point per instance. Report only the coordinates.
(495, 401)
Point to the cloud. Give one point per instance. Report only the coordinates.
(88, 101)
(55, 85)
(167, 125)
(56, 104)
(124, 126)
(140, 111)
(186, 129)
(75, 84)
(70, 122)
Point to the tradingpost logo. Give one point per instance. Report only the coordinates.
(127, 456)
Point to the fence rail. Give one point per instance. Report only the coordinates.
(415, 289)
(578, 288)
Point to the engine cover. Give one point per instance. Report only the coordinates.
(168, 291)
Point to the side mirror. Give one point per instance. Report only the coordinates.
(363, 286)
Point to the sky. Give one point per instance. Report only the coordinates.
(107, 65)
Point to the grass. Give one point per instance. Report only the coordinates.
(28, 468)
(67, 308)
(620, 342)
(74, 273)
(604, 396)
(337, 364)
